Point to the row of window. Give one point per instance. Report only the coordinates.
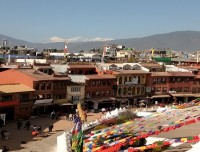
(49, 96)
(195, 90)
(136, 79)
(131, 91)
(99, 83)
(98, 94)
(75, 89)
(164, 89)
(48, 86)
(22, 97)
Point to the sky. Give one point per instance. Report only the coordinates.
(91, 20)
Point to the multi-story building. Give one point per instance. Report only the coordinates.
(196, 86)
(99, 91)
(130, 85)
(50, 89)
(82, 69)
(76, 89)
(171, 86)
(16, 100)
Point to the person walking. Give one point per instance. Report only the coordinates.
(27, 125)
(19, 124)
(3, 134)
(53, 115)
(50, 127)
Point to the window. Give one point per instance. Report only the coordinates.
(75, 98)
(179, 89)
(88, 95)
(49, 86)
(133, 90)
(152, 89)
(158, 89)
(104, 83)
(164, 89)
(142, 90)
(194, 82)
(43, 86)
(186, 89)
(7, 98)
(130, 79)
(125, 91)
(119, 91)
(97, 93)
(24, 96)
(129, 91)
(75, 89)
(120, 80)
(125, 80)
(138, 90)
(37, 86)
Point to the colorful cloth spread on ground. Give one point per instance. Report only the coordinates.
(112, 138)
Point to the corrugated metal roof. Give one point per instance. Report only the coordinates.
(13, 88)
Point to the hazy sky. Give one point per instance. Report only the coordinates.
(82, 20)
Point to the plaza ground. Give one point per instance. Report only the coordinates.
(40, 144)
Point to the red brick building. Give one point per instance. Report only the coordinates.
(99, 91)
(170, 86)
(83, 69)
(50, 89)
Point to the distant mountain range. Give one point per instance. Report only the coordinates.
(180, 41)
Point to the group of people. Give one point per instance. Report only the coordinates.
(4, 134)
(27, 124)
(75, 117)
(54, 115)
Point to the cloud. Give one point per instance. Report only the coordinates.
(56, 39)
(77, 39)
(101, 39)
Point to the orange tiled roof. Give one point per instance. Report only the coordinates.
(14, 88)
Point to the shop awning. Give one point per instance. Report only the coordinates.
(103, 99)
(197, 95)
(161, 96)
(182, 95)
(43, 101)
(66, 104)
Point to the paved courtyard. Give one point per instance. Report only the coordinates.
(40, 144)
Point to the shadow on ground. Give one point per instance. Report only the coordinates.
(19, 138)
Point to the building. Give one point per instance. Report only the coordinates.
(81, 69)
(171, 86)
(99, 91)
(16, 101)
(196, 86)
(76, 90)
(131, 85)
(51, 90)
